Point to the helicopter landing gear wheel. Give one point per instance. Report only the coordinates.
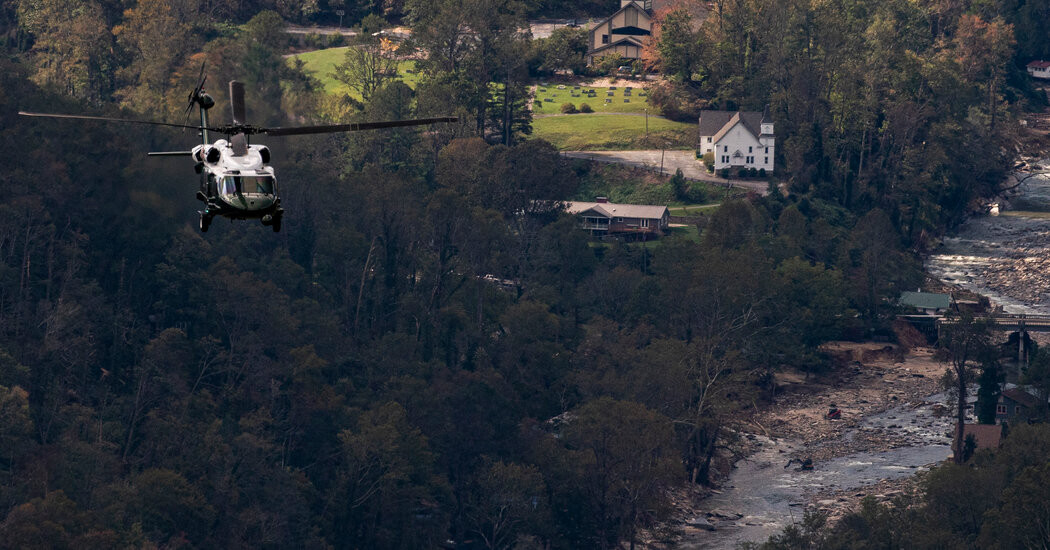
(205, 222)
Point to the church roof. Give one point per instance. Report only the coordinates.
(717, 123)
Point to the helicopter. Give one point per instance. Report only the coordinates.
(236, 178)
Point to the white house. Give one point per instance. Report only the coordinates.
(1039, 69)
(738, 139)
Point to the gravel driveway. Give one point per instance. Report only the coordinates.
(691, 167)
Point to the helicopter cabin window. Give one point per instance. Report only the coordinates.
(232, 185)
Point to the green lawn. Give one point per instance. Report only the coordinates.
(687, 231)
(692, 209)
(549, 98)
(612, 132)
(322, 63)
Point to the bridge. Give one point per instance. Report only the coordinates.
(1006, 322)
(1021, 324)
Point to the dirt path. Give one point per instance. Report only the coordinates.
(294, 29)
(670, 160)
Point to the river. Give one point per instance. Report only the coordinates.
(761, 496)
(1007, 259)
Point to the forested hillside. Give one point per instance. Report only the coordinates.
(429, 353)
(905, 106)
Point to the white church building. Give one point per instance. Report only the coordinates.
(738, 139)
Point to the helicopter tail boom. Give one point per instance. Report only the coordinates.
(169, 153)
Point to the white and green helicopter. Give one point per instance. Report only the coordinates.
(236, 179)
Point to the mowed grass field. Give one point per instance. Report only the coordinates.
(693, 209)
(582, 132)
(595, 131)
(321, 63)
(549, 98)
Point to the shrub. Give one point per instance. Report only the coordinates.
(336, 40)
(673, 102)
(742, 172)
(724, 173)
(752, 172)
(761, 172)
(585, 108)
(373, 23)
(709, 160)
(568, 108)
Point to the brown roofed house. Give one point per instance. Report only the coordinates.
(603, 218)
(1039, 69)
(987, 436)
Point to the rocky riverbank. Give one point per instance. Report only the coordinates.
(1005, 257)
(892, 426)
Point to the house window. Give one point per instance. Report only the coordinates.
(1000, 409)
(725, 148)
(749, 149)
(709, 139)
(767, 160)
(1017, 410)
(767, 150)
(644, 223)
(605, 39)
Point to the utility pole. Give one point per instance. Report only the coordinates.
(647, 124)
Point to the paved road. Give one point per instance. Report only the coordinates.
(691, 167)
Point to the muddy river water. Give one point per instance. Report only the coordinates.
(1007, 259)
(761, 496)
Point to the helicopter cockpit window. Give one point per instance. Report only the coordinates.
(232, 185)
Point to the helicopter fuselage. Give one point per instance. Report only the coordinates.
(237, 186)
(236, 180)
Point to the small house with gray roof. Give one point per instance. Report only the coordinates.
(603, 218)
(927, 303)
(738, 139)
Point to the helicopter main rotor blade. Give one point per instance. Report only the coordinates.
(353, 127)
(237, 102)
(111, 119)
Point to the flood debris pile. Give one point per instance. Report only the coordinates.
(870, 386)
(889, 425)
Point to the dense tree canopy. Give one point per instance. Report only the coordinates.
(431, 350)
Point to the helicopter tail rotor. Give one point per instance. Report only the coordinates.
(195, 95)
